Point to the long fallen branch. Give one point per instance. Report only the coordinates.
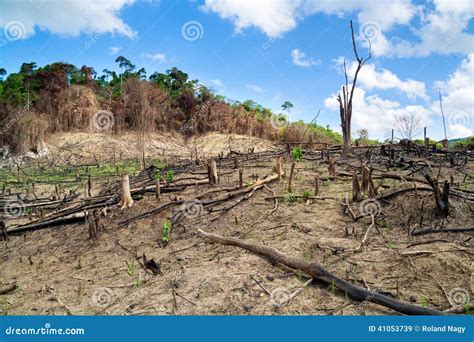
(318, 273)
(443, 230)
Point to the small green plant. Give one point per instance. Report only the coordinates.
(5, 306)
(306, 194)
(424, 301)
(466, 308)
(137, 283)
(332, 286)
(289, 198)
(390, 245)
(297, 154)
(166, 231)
(131, 267)
(169, 176)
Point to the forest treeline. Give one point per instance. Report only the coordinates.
(60, 97)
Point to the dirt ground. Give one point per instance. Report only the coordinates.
(60, 270)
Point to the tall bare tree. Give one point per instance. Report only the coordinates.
(407, 125)
(345, 102)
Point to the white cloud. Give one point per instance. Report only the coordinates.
(371, 78)
(300, 58)
(442, 30)
(69, 18)
(217, 82)
(378, 115)
(272, 17)
(255, 88)
(114, 49)
(458, 100)
(459, 131)
(277, 17)
(439, 28)
(159, 57)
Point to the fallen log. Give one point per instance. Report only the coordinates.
(8, 288)
(318, 273)
(442, 230)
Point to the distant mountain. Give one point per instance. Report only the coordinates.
(452, 142)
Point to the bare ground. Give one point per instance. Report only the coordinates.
(61, 271)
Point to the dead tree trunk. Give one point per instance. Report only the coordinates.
(319, 273)
(126, 201)
(332, 168)
(345, 102)
(316, 185)
(356, 193)
(291, 176)
(278, 167)
(212, 171)
(441, 196)
(4, 231)
(158, 188)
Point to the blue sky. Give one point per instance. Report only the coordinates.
(271, 51)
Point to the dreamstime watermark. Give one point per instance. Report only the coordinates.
(370, 30)
(280, 121)
(46, 330)
(192, 30)
(290, 22)
(14, 208)
(188, 124)
(103, 120)
(14, 120)
(103, 297)
(370, 206)
(459, 119)
(192, 209)
(280, 297)
(14, 30)
(456, 33)
(458, 297)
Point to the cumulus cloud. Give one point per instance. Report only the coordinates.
(458, 101)
(371, 78)
(69, 17)
(114, 49)
(272, 17)
(158, 57)
(378, 115)
(217, 82)
(442, 30)
(437, 29)
(300, 58)
(255, 88)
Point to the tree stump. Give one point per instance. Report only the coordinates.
(278, 168)
(332, 167)
(356, 193)
(316, 185)
(127, 200)
(291, 176)
(212, 172)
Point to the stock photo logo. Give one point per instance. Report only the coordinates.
(370, 30)
(460, 119)
(280, 121)
(369, 207)
(103, 297)
(14, 30)
(192, 30)
(14, 208)
(280, 297)
(103, 120)
(458, 297)
(192, 209)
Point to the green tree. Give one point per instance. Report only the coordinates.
(287, 105)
